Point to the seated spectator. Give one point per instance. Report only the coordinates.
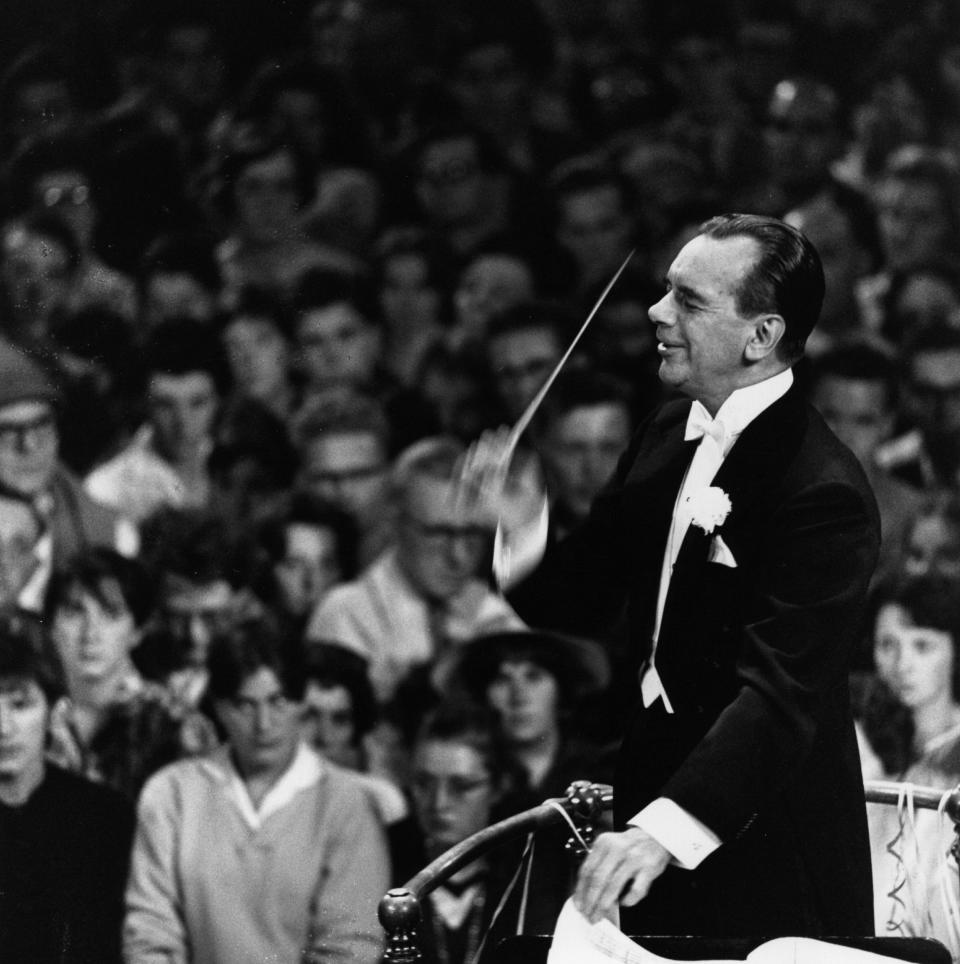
(264, 186)
(931, 540)
(929, 454)
(113, 726)
(341, 355)
(584, 426)
(855, 389)
(20, 530)
(201, 592)
(340, 714)
(178, 278)
(523, 346)
(258, 347)
(924, 296)
(55, 174)
(65, 841)
(69, 519)
(263, 850)
(458, 775)
(304, 548)
(413, 290)
(911, 721)
(344, 460)
(425, 593)
(166, 462)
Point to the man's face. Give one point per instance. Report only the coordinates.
(348, 469)
(438, 549)
(408, 298)
(338, 346)
(169, 295)
(800, 133)
(450, 182)
(927, 300)
(526, 698)
(258, 355)
(857, 411)
(19, 532)
(521, 361)
(932, 548)
(309, 567)
(914, 224)
(934, 390)
(595, 229)
(844, 260)
(702, 335)
(266, 197)
(93, 638)
(328, 723)
(491, 283)
(182, 411)
(453, 792)
(67, 192)
(36, 274)
(192, 65)
(195, 612)
(28, 447)
(23, 732)
(580, 452)
(262, 724)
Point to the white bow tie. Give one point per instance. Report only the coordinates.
(700, 423)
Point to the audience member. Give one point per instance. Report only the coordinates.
(425, 593)
(931, 540)
(31, 473)
(178, 277)
(65, 841)
(262, 849)
(113, 726)
(166, 463)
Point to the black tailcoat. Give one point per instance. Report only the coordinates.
(761, 746)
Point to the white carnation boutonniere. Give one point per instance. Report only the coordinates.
(709, 508)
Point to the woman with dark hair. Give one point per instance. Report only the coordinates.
(113, 726)
(262, 850)
(64, 841)
(911, 722)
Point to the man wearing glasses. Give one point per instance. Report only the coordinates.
(31, 474)
(424, 592)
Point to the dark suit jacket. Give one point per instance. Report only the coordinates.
(761, 747)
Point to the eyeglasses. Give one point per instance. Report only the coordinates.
(66, 196)
(16, 435)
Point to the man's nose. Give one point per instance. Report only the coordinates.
(659, 313)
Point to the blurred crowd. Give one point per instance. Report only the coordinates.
(266, 270)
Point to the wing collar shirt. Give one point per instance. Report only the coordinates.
(687, 839)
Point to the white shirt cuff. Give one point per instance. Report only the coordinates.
(517, 553)
(688, 840)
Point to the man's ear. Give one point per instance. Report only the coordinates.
(767, 332)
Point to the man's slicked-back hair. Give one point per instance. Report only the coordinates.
(787, 278)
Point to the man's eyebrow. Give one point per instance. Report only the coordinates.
(680, 287)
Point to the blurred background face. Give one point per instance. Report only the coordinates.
(932, 548)
(28, 447)
(23, 730)
(526, 698)
(438, 550)
(348, 469)
(491, 284)
(916, 662)
(450, 181)
(308, 569)
(857, 411)
(182, 409)
(262, 724)
(520, 363)
(19, 532)
(595, 229)
(176, 294)
(93, 638)
(41, 106)
(36, 275)
(194, 612)
(934, 390)
(913, 221)
(68, 193)
(580, 452)
(258, 355)
(407, 296)
(266, 198)
(800, 135)
(338, 346)
(192, 66)
(328, 722)
(453, 793)
(926, 300)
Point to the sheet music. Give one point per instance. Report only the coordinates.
(576, 941)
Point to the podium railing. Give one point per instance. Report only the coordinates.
(584, 804)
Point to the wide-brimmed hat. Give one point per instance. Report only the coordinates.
(580, 665)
